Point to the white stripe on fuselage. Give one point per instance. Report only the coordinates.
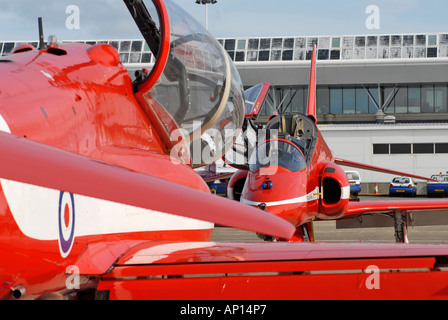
(312, 196)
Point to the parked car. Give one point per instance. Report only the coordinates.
(402, 186)
(439, 187)
(354, 180)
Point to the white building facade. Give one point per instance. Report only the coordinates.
(418, 148)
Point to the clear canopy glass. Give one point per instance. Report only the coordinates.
(199, 97)
(280, 153)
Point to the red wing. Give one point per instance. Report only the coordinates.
(30, 162)
(358, 165)
(266, 271)
(356, 208)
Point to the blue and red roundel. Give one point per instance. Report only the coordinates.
(66, 222)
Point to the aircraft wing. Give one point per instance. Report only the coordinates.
(397, 214)
(34, 163)
(356, 208)
(358, 165)
(251, 271)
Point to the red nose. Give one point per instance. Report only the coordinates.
(283, 194)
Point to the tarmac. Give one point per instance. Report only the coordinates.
(325, 231)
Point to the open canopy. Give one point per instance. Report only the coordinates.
(198, 98)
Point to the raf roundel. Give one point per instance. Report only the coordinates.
(66, 223)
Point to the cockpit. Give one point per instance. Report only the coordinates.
(277, 152)
(194, 93)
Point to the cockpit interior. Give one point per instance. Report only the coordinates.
(296, 128)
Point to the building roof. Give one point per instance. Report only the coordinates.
(345, 47)
(297, 48)
(384, 126)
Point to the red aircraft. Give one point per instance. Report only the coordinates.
(99, 198)
(293, 174)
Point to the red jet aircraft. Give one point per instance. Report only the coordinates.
(99, 198)
(293, 174)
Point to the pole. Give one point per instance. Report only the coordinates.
(206, 2)
(206, 17)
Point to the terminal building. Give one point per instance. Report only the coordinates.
(381, 99)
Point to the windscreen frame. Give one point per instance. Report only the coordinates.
(256, 164)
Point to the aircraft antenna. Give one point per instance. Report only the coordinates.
(41, 34)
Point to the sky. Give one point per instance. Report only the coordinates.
(109, 19)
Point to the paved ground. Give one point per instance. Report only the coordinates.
(326, 231)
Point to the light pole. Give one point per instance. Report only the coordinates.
(205, 2)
